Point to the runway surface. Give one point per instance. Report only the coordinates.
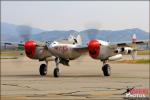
(83, 79)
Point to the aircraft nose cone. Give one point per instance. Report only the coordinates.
(30, 47)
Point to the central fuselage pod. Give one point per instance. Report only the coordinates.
(65, 51)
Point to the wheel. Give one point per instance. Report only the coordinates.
(106, 70)
(56, 72)
(43, 69)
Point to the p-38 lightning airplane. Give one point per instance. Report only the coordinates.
(72, 48)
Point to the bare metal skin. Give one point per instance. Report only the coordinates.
(63, 51)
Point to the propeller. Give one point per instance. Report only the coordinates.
(92, 30)
(24, 32)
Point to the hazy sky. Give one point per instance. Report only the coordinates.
(77, 15)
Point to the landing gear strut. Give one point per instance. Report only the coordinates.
(43, 69)
(106, 68)
(56, 70)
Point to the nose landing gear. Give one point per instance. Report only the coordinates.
(43, 68)
(56, 70)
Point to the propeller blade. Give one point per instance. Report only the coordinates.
(24, 32)
(92, 30)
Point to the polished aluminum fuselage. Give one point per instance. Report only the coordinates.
(65, 51)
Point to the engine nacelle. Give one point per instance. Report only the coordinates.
(116, 57)
(34, 51)
(98, 49)
(124, 50)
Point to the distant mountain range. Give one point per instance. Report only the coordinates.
(10, 33)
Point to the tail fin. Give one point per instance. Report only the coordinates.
(134, 39)
(134, 46)
(79, 39)
(75, 38)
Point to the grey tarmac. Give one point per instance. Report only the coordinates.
(83, 79)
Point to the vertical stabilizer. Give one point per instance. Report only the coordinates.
(134, 46)
(75, 38)
(79, 39)
(134, 39)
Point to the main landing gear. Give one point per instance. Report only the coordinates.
(43, 69)
(106, 68)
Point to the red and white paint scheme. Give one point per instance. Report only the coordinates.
(94, 48)
(134, 39)
(63, 51)
(30, 48)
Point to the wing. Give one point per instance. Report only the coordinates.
(82, 49)
(12, 46)
(129, 44)
(129, 48)
(20, 46)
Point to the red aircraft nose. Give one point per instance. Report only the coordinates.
(30, 47)
(94, 48)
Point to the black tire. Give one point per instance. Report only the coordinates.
(106, 70)
(43, 69)
(56, 72)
